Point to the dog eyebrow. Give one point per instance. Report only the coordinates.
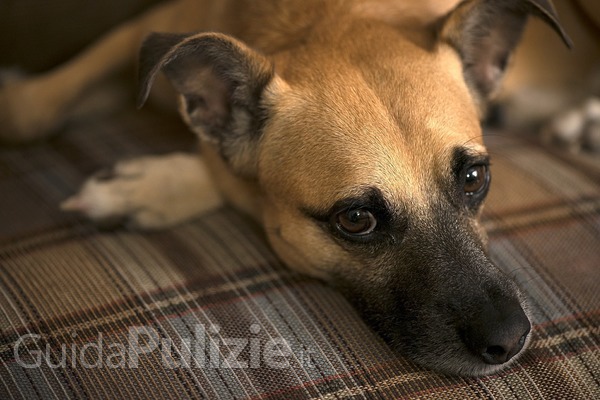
(370, 198)
(467, 156)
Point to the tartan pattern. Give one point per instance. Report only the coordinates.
(66, 281)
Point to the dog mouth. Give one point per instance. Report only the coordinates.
(448, 308)
(461, 361)
(482, 344)
(474, 340)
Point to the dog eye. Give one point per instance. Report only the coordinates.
(355, 222)
(476, 179)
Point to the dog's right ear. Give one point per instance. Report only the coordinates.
(222, 84)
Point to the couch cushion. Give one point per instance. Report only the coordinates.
(150, 299)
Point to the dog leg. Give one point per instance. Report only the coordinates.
(148, 192)
(576, 129)
(32, 108)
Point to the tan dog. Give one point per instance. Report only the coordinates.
(350, 130)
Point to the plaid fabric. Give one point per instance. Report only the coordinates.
(162, 305)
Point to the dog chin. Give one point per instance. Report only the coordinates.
(465, 366)
(455, 360)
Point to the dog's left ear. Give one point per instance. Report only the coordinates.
(485, 33)
(222, 84)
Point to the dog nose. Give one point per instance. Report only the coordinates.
(502, 346)
(498, 333)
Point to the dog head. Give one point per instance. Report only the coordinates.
(365, 140)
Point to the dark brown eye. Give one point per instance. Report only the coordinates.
(355, 222)
(476, 179)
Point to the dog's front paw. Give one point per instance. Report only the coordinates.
(147, 192)
(577, 129)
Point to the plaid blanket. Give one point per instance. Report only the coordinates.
(205, 310)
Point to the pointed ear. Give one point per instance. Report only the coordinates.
(222, 83)
(485, 33)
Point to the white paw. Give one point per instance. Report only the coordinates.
(577, 129)
(147, 192)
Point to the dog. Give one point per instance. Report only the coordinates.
(349, 129)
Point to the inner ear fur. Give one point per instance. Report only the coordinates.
(221, 82)
(485, 34)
